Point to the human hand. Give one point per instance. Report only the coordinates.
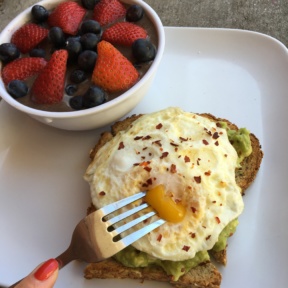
(43, 276)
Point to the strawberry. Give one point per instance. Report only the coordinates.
(113, 72)
(107, 11)
(124, 33)
(68, 16)
(28, 36)
(22, 68)
(48, 87)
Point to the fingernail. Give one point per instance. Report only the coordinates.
(46, 270)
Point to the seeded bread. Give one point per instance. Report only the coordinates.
(205, 275)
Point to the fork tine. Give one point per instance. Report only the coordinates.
(126, 214)
(121, 203)
(132, 223)
(141, 232)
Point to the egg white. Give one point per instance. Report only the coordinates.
(192, 158)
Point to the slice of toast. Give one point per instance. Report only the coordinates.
(205, 275)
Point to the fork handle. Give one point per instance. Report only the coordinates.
(66, 257)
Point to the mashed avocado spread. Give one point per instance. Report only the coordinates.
(240, 140)
(130, 257)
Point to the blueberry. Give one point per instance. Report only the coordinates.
(89, 4)
(74, 47)
(17, 89)
(77, 76)
(91, 26)
(143, 50)
(87, 59)
(37, 52)
(8, 52)
(76, 102)
(56, 37)
(94, 96)
(39, 13)
(134, 13)
(89, 41)
(71, 89)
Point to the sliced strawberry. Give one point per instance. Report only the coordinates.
(124, 33)
(48, 87)
(68, 16)
(28, 36)
(113, 72)
(22, 68)
(107, 11)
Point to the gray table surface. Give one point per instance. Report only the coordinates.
(265, 16)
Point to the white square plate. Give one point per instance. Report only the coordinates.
(234, 74)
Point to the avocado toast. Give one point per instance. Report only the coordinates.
(202, 273)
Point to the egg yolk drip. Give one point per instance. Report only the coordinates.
(164, 205)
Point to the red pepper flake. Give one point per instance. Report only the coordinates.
(194, 210)
(186, 248)
(173, 168)
(102, 193)
(121, 146)
(205, 142)
(176, 149)
(215, 135)
(193, 235)
(216, 143)
(157, 142)
(218, 220)
(144, 148)
(186, 159)
(221, 204)
(136, 164)
(143, 157)
(198, 161)
(183, 139)
(208, 237)
(159, 126)
(174, 144)
(225, 155)
(159, 237)
(138, 137)
(148, 169)
(149, 181)
(214, 202)
(146, 137)
(207, 173)
(204, 226)
(164, 154)
(208, 132)
(197, 179)
(150, 154)
(145, 163)
(218, 125)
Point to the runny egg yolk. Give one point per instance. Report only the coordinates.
(164, 205)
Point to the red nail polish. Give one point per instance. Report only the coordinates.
(46, 270)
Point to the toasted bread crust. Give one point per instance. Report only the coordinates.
(205, 275)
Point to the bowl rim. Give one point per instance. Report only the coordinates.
(153, 16)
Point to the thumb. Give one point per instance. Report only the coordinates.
(44, 276)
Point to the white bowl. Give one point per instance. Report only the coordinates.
(93, 117)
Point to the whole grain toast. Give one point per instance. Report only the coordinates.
(205, 275)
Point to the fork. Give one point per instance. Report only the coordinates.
(95, 239)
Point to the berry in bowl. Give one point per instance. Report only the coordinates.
(80, 65)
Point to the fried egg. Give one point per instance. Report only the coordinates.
(194, 163)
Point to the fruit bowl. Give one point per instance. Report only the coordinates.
(103, 114)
